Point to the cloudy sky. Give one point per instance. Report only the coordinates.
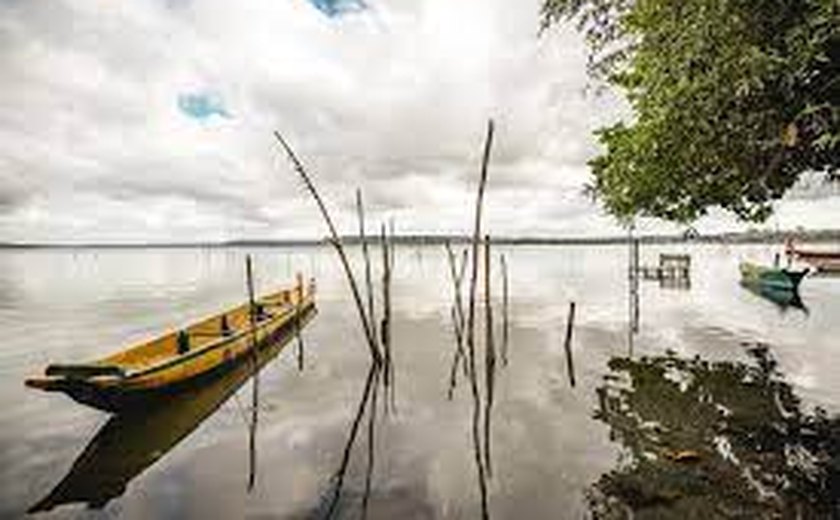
(152, 120)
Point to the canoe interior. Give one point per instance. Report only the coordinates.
(200, 334)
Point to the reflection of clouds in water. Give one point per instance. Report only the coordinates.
(547, 448)
(394, 502)
(10, 294)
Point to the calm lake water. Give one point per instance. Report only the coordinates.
(550, 444)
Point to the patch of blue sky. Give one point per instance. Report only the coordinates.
(202, 105)
(336, 8)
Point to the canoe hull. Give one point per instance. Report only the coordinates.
(124, 398)
(824, 265)
(783, 298)
(171, 362)
(771, 277)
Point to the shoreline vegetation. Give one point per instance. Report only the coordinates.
(745, 237)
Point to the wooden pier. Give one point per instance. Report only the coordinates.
(673, 271)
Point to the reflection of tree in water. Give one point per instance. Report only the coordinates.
(714, 440)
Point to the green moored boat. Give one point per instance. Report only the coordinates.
(771, 277)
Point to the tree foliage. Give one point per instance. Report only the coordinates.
(733, 100)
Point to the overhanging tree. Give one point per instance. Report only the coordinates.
(733, 100)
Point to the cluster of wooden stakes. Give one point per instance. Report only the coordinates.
(378, 335)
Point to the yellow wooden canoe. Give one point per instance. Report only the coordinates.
(180, 357)
(132, 441)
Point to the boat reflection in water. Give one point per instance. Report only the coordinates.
(783, 298)
(708, 439)
(132, 441)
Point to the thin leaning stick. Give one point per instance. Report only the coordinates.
(471, 322)
(336, 242)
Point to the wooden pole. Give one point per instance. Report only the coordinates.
(636, 286)
(489, 357)
(298, 312)
(567, 344)
(335, 240)
(505, 318)
(391, 364)
(470, 329)
(252, 437)
(632, 287)
(385, 328)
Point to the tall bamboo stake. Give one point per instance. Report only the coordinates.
(368, 323)
(252, 437)
(505, 301)
(489, 357)
(392, 372)
(385, 329)
(368, 327)
(298, 308)
(391, 263)
(632, 287)
(636, 286)
(488, 143)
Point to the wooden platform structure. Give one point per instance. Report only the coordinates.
(673, 271)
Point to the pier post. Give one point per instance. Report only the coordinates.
(567, 344)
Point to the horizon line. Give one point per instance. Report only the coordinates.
(757, 236)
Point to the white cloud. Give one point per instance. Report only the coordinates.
(395, 99)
